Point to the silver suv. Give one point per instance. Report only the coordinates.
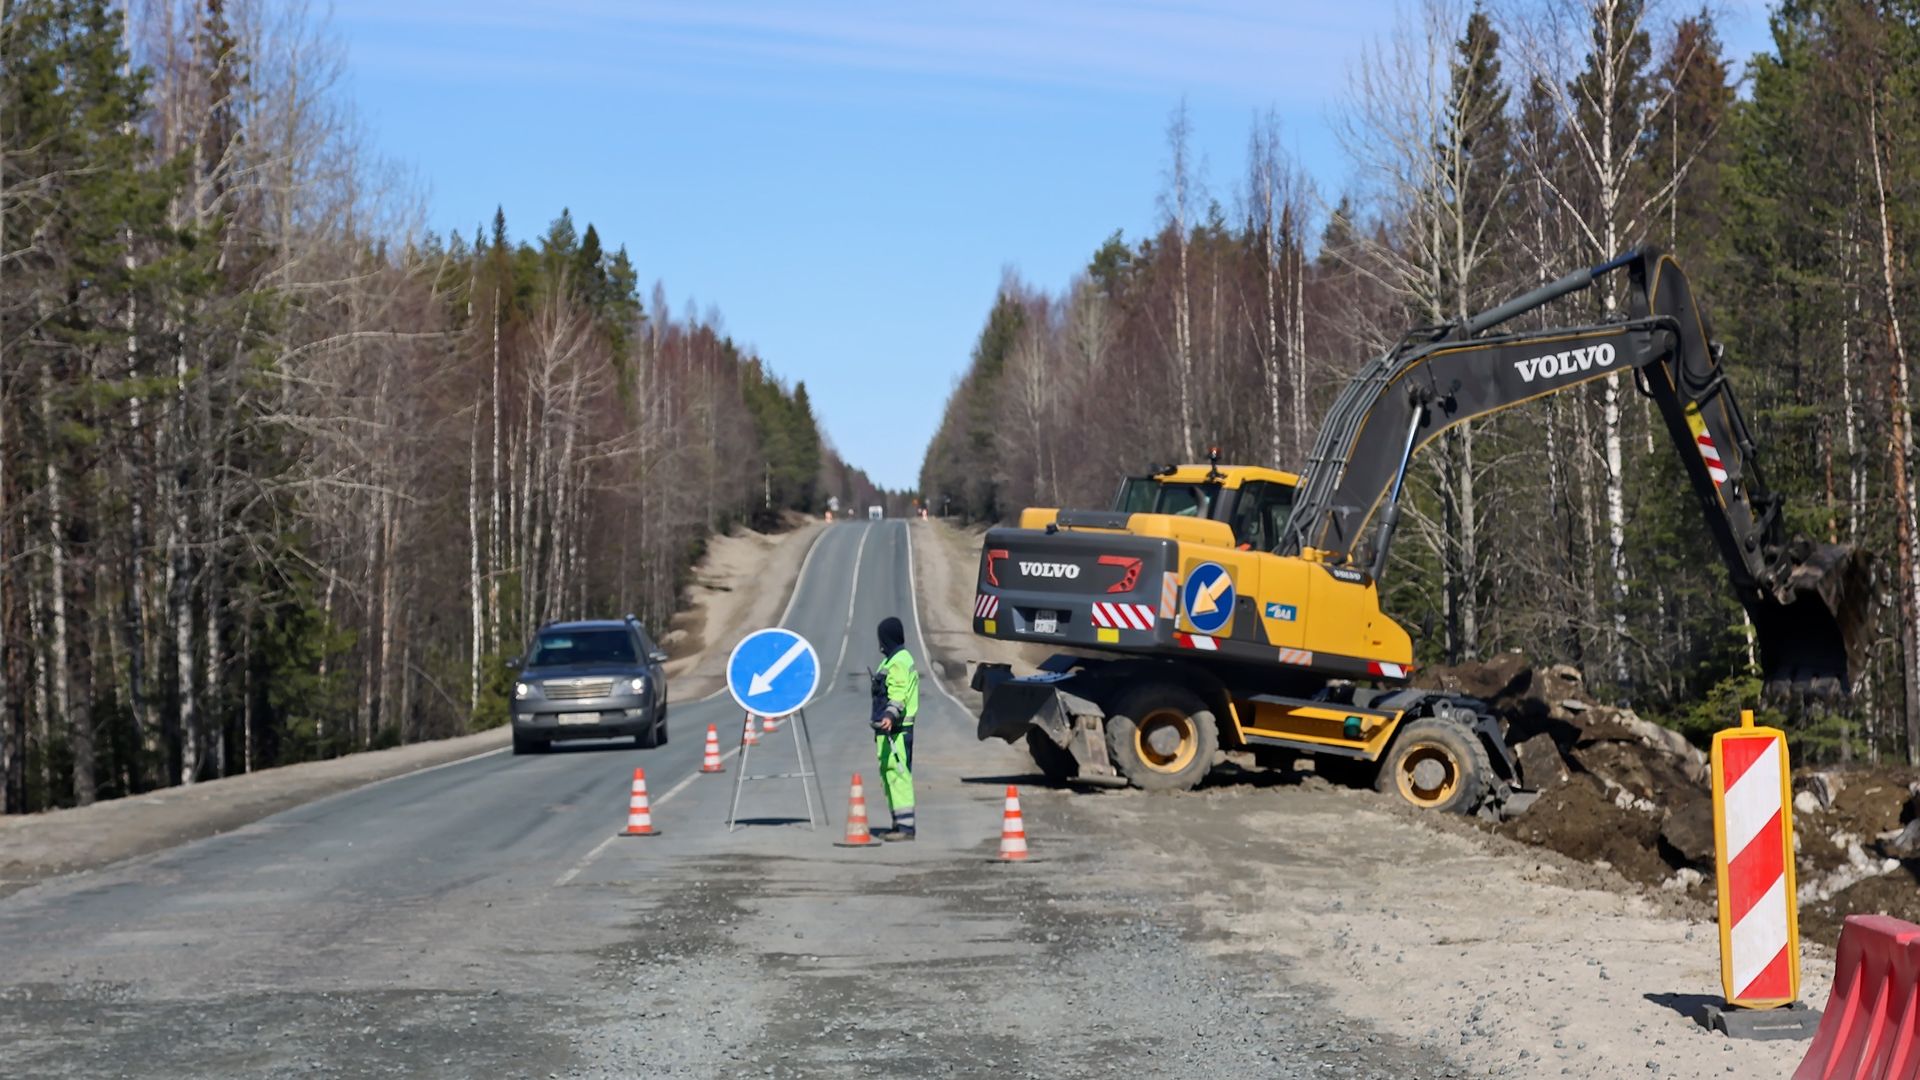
(590, 680)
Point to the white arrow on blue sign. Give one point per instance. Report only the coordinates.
(773, 672)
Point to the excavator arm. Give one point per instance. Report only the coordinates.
(1809, 602)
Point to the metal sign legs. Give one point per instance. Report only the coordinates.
(808, 774)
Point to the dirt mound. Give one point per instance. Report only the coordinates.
(1896, 893)
(1858, 850)
(1580, 820)
(1618, 789)
(1625, 793)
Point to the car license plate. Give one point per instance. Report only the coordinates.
(579, 718)
(1046, 622)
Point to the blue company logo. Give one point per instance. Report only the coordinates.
(773, 672)
(1209, 598)
(1283, 612)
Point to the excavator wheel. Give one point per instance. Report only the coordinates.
(1056, 762)
(1436, 765)
(1162, 737)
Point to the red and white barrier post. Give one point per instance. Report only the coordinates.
(1753, 862)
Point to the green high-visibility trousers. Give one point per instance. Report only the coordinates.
(895, 751)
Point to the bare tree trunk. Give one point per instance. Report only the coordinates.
(9, 747)
(1900, 448)
(180, 608)
(58, 662)
(1181, 181)
(389, 609)
(476, 610)
(494, 520)
(326, 657)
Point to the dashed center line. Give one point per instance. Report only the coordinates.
(676, 789)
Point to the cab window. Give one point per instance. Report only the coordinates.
(1261, 514)
(1146, 496)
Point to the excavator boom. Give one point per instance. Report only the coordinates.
(1809, 603)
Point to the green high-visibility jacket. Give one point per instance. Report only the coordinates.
(897, 683)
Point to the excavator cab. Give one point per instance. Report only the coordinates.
(1255, 503)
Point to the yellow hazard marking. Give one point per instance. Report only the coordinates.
(1208, 601)
(1696, 422)
(992, 626)
(1107, 634)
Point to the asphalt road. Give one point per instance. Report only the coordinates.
(482, 919)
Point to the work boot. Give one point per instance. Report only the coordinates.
(897, 834)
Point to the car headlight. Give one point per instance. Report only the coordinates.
(521, 690)
(637, 685)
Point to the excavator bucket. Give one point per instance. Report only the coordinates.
(1813, 632)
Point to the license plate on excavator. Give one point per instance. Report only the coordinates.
(1046, 622)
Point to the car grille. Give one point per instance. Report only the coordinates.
(577, 689)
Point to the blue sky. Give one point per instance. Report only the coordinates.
(845, 182)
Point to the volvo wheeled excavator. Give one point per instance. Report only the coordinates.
(1239, 607)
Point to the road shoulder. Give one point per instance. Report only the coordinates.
(36, 847)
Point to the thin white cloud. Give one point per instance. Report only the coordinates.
(1276, 52)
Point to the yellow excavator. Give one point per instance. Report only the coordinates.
(1238, 607)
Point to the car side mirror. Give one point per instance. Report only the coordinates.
(657, 656)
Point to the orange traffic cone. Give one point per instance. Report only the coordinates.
(711, 762)
(1013, 831)
(639, 817)
(857, 834)
(769, 726)
(750, 736)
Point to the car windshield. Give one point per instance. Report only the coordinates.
(1145, 495)
(559, 647)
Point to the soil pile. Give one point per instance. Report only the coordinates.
(1621, 792)
(1617, 790)
(1858, 845)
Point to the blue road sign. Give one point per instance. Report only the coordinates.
(1209, 598)
(773, 672)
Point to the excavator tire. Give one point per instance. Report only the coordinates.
(1162, 737)
(1436, 765)
(1056, 762)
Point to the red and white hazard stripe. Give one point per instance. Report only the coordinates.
(1123, 616)
(1710, 454)
(1169, 594)
(1757, 902)
(1197, 641)
(986, 606)
(1303, 657)
(1385, 670)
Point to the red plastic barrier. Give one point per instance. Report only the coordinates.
(1871, 1029)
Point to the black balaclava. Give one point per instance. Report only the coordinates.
(892, 635)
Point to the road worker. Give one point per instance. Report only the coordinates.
(896, 701)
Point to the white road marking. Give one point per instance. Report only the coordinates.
(913, 591)
(805, 562)
(852, 595)
(676, 789)
(422, 771)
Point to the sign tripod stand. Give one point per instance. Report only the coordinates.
(808, 773)
(774, 673)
